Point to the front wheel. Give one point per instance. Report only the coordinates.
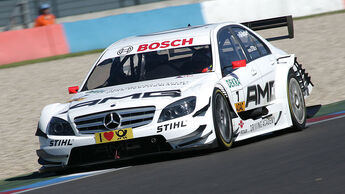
(222, 120)
(296, 102)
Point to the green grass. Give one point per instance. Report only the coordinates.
(330, 108)
(52, 58)
(24, 180)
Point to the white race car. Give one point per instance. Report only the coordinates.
(197, 86)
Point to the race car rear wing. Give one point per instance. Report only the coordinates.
(273, 23)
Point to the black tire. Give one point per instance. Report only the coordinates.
(296, 102)
(222, 120)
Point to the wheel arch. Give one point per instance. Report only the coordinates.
(284, 65)
(222, 143)
(228, 98)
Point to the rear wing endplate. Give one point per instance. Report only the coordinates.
(273, 23)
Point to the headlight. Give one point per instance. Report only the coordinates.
(59, 126)
(178, 109)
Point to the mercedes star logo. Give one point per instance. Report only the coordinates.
(112, 120)
(125, 50)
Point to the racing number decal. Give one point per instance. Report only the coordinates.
(238, 96)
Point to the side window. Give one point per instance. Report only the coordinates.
(249, 42)
(229, 50)
(261, 46)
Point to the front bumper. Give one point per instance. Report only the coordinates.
(191, 131)
(118, 150)
(98, 153)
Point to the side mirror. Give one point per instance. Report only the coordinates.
(73, 89)
(237, 64)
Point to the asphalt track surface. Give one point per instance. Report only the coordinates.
(309, 161)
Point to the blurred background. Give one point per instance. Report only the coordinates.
(21, 13)
(72, 26)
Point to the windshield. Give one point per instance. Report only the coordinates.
(149, 66)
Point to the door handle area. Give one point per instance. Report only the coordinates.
(254, 72)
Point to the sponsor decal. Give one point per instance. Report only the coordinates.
(233, 82)
(241, 124)
(255, 93)
(171, 126)
(263, 123)
(165, 44)
(115, 135)
(166, 93)
(60, 142)
(240, 106)
(151, 85)
(95, 92)
(125, 50)
(252, 49)
(242, 33)
(259, 125)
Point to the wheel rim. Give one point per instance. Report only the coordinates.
(296, 101)
(223, 118)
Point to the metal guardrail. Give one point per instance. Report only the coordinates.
(12, 11)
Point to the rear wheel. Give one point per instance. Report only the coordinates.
(222, 120)
(296, 102)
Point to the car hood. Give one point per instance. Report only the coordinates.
(158, 93)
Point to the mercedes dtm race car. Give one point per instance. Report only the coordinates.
(197, 86)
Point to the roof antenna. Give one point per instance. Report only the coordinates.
(189, 25)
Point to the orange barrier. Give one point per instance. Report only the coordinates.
(34, 43)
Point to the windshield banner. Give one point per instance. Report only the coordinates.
(156, 46)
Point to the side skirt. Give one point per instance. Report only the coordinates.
(276, 119)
